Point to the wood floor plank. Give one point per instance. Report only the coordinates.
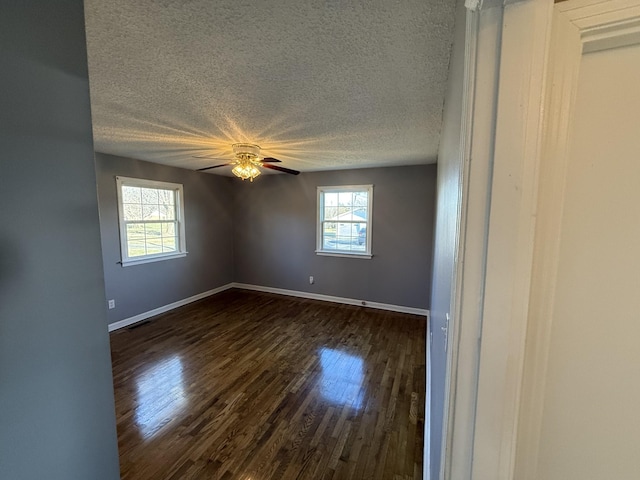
(255, 385)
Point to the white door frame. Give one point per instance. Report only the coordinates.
(578, 27)
(507, 42)
(481, 66)
(523, 74)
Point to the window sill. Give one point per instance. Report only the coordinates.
(132, 262)
(326, 253)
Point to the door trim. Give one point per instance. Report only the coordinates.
(579, 27)
(501, 324)
(494, 269)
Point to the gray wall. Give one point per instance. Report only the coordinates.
(275, 235)
(57, 416)
(208, 203)
(264, 233)
(450, 164)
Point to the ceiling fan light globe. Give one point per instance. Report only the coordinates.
(246, 170)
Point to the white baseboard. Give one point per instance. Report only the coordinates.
(157, 311)
(329, 298)
(281, 291)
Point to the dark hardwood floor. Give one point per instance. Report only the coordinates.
(252, 386)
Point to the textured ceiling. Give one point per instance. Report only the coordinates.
(318, 84)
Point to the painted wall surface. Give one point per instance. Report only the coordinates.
(450, 163)
(275, 235)
(57, 416)
(208, 208)
(591, 425)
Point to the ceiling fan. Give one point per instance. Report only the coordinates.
(247, 160)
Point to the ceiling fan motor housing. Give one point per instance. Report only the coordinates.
(246, 150)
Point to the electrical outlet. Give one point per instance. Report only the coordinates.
(112, 304)
(311, 280)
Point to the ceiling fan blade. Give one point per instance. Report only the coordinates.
(281, 169)
(270, 160)
(215, 166)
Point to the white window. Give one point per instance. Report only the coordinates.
(344, 220)
(151, 220)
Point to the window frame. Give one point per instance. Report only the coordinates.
(321, 190)
(178, 190)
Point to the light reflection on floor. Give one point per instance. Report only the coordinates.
(342, 377)
(161, 395)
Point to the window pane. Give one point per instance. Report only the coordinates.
(347, 235)
(132, 211)
(135, 231)
(166, 197)
(153, 242)
(361, 241)
(149, 195)
(343, 242)
(168, 230)
(131, 194)
(329, 236)
(345, 214)
(154, 248)
(347, 229)
(330, 213)
(150, 212)
(344, 236)
(345, 198)
(330, 199)
(360, 199)
(135, 248)
(152, 230)
(353, 215)
(360, 213)
(166, 212)
(169, 244)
